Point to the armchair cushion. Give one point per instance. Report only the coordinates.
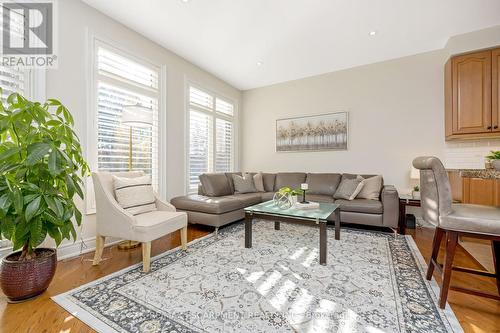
(135, 195)
(472, 218)
(152, 225)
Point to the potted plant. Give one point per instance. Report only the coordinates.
(416, 192)
(41, 169)
(494, 158)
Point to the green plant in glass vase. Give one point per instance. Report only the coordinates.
(41, 170)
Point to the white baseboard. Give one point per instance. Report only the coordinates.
(75, 249)
(71, 250)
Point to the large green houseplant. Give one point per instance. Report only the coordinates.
(41, 170)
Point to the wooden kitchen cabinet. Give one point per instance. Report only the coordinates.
(481, 191)
(495, 88)
(472, 95)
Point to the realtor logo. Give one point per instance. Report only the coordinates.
(28, 34)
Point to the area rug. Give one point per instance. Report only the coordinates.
(373, 282)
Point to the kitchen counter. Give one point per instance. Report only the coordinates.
(477, 173)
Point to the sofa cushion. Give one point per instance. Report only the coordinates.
(243, 184)
(269, 179)
(248, 199)
(371, 188)
(215, 184)
(317, 197)
(289, 179)
(266, 196)
(361, 206)
(323, 183)
(210, 205)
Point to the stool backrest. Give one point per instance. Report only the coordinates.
(435, 190)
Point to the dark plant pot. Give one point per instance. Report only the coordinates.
(22, 280)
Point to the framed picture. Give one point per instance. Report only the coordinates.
(309, 133)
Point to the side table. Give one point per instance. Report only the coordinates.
(404, 201)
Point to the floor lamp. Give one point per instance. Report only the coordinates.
(134, 116)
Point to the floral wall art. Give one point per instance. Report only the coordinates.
(309, 133)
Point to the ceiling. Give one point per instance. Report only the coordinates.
(297, 38)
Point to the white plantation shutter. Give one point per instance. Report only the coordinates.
(200, 135)
(14, 79)
(122, 81)
(224, 145)
(211, 135)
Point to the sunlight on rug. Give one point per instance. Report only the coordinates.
(373, 282)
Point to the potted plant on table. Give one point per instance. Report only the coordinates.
(41, 169)
(494, 158)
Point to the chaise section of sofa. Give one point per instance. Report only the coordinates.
(218, 204)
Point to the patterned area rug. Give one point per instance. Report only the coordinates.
(373, 282)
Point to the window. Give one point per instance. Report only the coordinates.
(211, 135)
(14, 79)
(123, 81)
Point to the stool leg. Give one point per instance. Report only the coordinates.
(451, 245)
(436, 244)
(496, 259)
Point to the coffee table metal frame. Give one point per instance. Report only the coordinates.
(287, 218)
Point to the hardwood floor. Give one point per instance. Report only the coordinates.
(42, 315)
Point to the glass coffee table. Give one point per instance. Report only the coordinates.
(319, 216)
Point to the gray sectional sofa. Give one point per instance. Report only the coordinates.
(216, 203)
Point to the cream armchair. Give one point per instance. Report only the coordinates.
(114, 221)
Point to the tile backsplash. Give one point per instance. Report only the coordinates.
(468, 154)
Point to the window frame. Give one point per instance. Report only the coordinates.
(214, 114)
(94, 42)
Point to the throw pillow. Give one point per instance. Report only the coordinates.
(258, 180)
(135, 195)
(244, 184)
(349, 188)
(371, 188)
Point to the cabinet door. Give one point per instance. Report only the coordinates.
(495, 89)
(471, 76)
(479, 191)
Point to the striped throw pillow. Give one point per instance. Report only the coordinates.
(135, 195)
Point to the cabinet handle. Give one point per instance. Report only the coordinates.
(495, 127)
(489, 127)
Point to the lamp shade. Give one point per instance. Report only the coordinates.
(415, 173)
(137, 116)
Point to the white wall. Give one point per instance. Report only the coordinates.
(395, 113)
(68, 84)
